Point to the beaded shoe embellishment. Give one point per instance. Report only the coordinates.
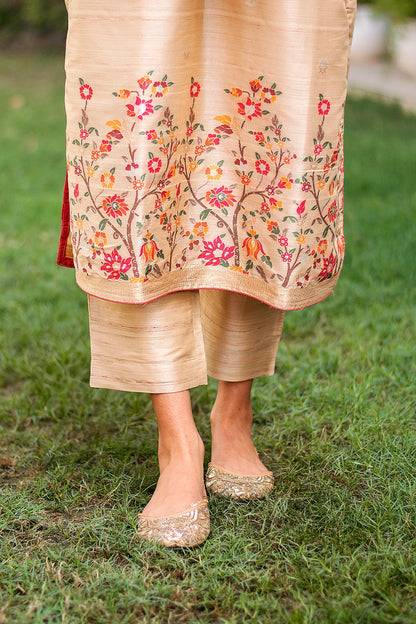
(186, 529)
(238, 486)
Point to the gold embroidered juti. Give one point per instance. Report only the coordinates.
(205, 148)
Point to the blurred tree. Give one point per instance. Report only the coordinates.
(41, 16)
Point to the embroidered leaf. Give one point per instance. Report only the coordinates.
(204, 214)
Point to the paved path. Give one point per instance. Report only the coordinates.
(384, 81)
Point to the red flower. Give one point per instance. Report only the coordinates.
(85, 92)
(283, 241)
(332, 212)
(115, 265)
(154, 165)
(76, 191)
(140, 108)
(220, 197)
(287, 257)
(144, 82)
(323, 107)
(84, 134)
(151, 135)
(149, 247)
(189, 130)
(328, 268)
(268, 95)
(255, 85)
(216, 251)
(194, 90)
(318, 149)
(262, 167)
(115, 206)
(250, 109)
(265, 207)
(306, 186)
(259, 136)
(78, 170)
(159, 89)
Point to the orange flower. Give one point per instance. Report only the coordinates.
(301, 239)
(200, 228)
(286, 160)
(90, 172)
(236, 92)
(321, 184)
(213, 172)
(123, 94)
(255, 85)
(149, 248)
(273, 157)
(172, 172)
(137, 185)
(144, 82)
(107, 180)
(341, 243)
(80, 223)
(271, 225)
(280, 145)
(331, 188)
(100, 239)
(95, 155)
(245, 179)
(268, 146)
(322, 246)
(193, 165)
(200, 149)
(165, 195)
(252, 244)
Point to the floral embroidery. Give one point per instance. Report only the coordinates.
(180, 181)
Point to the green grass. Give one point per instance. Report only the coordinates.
(336, 542)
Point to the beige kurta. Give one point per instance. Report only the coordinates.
(205, 147)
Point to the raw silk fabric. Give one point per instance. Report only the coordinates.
(205, 147)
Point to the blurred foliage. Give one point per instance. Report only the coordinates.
(397, 9)
(41, 16)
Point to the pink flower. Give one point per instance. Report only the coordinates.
(220, 197)
(250, 109)
(115, 265)
(259, 136)
(78, 170)
(318, 149)
(283, 241)
(216, 251)
(287, 257)
(262, 167)
(85, 92)
(83, 134)
(154, 165)
(323, 107)
(140, 108)
(306, 187)
(301, 208)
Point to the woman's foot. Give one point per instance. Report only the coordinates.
(180, 484)
(231, 421)
(180, 454)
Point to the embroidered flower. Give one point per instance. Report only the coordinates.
(259, 136)
(83, 134)
(268, 95)
(137, 185)
(328, 268)
(124, 94)
(140, 108)
(151, 135)
(199, 149)
(100, 239)
(283, 241)
(95, 155)
(252, 245)
(115, 206)
(318, 149)
(332, 212)
(286, 256)
(115, 265)
(90, 172)
(105, 146)
(200, 228)
(144, 82)
(78, 170)
(306, 187)
(195, 89)
(212, 139)
(216, 251)
(159, 89)
(107, 180)
(149, 247)
(262, 167)
(323, 107)
(154, 165)
(220, 197)
(249, 109)
(213, 172)
(301, 239)
(85, 92)
(236, 92)
(322, 246)
(255, 85)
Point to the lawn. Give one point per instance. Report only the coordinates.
(335, 542)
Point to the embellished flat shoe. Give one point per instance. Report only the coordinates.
(238, 486)
(186, 529)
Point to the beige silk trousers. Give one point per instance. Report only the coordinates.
(173, 343)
